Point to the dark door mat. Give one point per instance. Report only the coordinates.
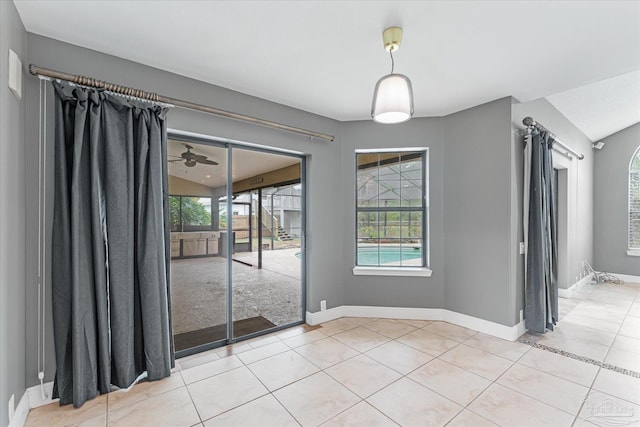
(211, 334)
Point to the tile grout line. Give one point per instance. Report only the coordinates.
(285, 408)
(513, 363)
(293, 349)
(588, 387)
(593, 381)
(540, 401)
(272, 393)
(192, 402)
(618, 333)
(467, 407)
(402, 376)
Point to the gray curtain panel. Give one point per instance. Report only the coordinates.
(110, 259)
(541, 295)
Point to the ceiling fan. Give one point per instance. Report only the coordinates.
(192, 159)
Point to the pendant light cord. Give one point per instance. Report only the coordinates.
(392, 63)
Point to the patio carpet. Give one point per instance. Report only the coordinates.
(219, 332)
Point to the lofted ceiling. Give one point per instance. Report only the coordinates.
(326, 56)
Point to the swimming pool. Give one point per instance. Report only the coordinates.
(387, 255)
(375, 255)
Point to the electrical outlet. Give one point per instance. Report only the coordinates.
(521, 315)
(522, 248)
(323, 305)
(12, 407)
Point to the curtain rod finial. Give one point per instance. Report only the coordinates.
(528, 121)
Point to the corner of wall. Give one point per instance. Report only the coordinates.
(477, 179)
(12, 213)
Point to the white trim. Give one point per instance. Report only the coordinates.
(21, 412)
(32, 398)
(520, 330)
(323, 316)
(393, 312)
(510, 333)
(567, 293)
(633, 252)
(35, 395)
(392, 271)
(627, 278)
(389, 150)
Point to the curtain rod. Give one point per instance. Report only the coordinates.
(529, 122)
(154, 97)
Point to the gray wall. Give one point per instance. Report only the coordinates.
(469, 213)
(12, 216)
(611, 214)
(419, 292)
(477, 201)
(324, 229)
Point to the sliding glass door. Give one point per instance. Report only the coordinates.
(268, 224)
(237, 230)
(197, 186)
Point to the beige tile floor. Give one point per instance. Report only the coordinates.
(373, 372)
(600, 322)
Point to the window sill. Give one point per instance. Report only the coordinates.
(633, 252)
(392, 271)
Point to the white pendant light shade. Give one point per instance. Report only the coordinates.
(392, 99)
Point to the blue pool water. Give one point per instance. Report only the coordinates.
(383, 255)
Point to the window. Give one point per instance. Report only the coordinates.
(391, 210)
(188, 213)
(634, 204)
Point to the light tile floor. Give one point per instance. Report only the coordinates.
(599, 322)
(376, 372)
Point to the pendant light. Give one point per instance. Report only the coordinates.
(393, 95)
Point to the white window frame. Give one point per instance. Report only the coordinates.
(399, 271)
(631, 251)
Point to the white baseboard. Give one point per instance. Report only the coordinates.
(21, 412)
(520, 330)
(510, 333)
(393, 312)
(627, 278)
(567, 293)
(35, 395)
(323, 316)
(32, 398)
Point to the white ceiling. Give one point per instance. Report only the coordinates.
(325, 56)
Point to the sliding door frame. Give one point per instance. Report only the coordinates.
(230, 145)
